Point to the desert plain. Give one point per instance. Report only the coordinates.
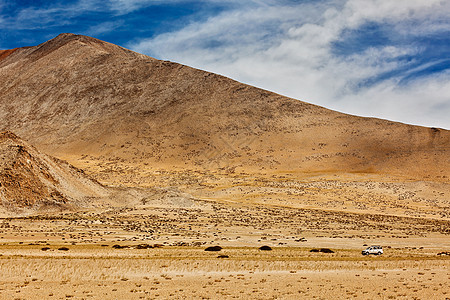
(118, 171)
(159, 253)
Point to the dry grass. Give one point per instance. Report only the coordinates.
(93, 269)
(191, 273)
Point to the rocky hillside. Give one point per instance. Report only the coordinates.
(82, 99)
(31, 181)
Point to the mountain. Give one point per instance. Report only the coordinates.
(131, 120)
(30, 180)
(78, 95)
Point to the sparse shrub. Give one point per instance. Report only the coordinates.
(323, 250)
(265, 248)
(223, 256)
(326, 250)
(45, 248)
(213, 248)
(63, 249)
(144, 246)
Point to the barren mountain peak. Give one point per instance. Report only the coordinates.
(75, 97)
(63, 40)
(69, 37)
(65, 34)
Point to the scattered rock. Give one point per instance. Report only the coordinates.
(180, 244)
(301, 240)
(45, 248)
(444, 253)
(63, 249)
(223, 256)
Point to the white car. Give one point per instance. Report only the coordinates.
(377, 250)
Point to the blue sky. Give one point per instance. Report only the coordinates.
(382, 58)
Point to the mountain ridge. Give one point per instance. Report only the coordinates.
(131, 121)
(79, 94)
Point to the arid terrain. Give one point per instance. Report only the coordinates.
(118, 170)
(152, 251)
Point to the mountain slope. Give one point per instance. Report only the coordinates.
(30, 180)
(75, 96)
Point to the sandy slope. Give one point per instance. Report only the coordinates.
(75, 95)
(134, 121)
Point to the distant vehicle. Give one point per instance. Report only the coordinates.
(376, 250)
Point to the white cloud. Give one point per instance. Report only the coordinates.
(127, 6)
(103, 28)
(58, 14)
(52, 15)
(426, 100)
(288, 49)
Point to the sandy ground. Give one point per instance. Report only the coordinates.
(73, 255)
(192, 273)
(366, 193)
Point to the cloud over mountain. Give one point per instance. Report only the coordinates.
(372, 58)
(382, 58)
